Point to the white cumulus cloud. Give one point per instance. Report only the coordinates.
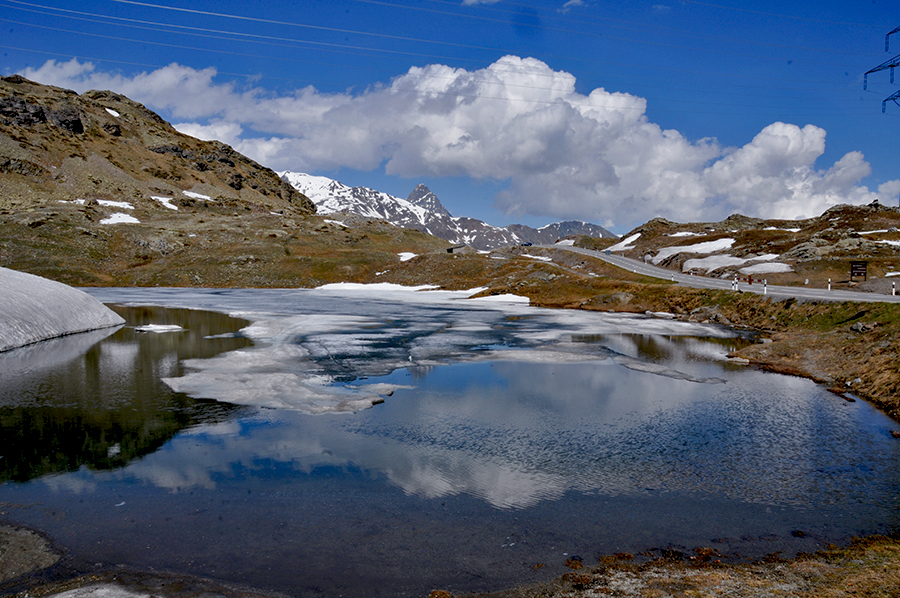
(564, 154)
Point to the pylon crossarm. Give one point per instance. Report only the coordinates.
(887, 39)
(887, 64)
(894, 97)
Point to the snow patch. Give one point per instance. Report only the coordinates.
(624, 244)
(767, 268)
(165, 201)
(36, 309)
(538, 257)
(705, 247)
(113, 112)
(566, 242)
(194, 195)
(120, 218)
(684, 233)
(714, 262)
(122, 205)
(405, 256)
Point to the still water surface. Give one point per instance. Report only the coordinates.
(512, 437)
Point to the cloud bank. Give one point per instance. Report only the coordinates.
(565, 155)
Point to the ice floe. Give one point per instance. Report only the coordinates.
(307, 341)
(158, 328)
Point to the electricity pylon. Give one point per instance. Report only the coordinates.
(887, 64)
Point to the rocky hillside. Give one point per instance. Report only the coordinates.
(62, 146)
(424, 212)
(96, 189)
(807, 251)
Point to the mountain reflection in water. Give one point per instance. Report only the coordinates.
(96, 399)
(513, 436)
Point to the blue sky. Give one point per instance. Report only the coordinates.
(532, 112)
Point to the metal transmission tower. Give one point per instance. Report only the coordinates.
(887, 64)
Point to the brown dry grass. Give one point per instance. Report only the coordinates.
(866, 569)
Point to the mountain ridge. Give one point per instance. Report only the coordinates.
(423, 211)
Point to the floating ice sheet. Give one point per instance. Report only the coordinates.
(310, 342)
(158, 328)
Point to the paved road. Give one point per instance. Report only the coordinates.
(702, 282)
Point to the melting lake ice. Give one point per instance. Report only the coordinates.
(385, 442)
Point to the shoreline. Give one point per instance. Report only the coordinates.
(780, 351)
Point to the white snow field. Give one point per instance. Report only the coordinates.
(35, 309)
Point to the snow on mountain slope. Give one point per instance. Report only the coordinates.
(423, 211)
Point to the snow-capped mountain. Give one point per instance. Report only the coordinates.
(423, 211)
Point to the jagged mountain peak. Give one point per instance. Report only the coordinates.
(422, 196)
(423, 211)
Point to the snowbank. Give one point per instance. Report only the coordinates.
(33, 309)
(705, 247)
(625, 244)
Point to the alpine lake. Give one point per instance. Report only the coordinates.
(387, 442)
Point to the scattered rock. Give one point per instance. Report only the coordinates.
(574, 563)
(709, 314)
(23, 551)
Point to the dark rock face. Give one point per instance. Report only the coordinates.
(16, 111)
(68, 118)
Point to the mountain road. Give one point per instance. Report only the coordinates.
(703, 282)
